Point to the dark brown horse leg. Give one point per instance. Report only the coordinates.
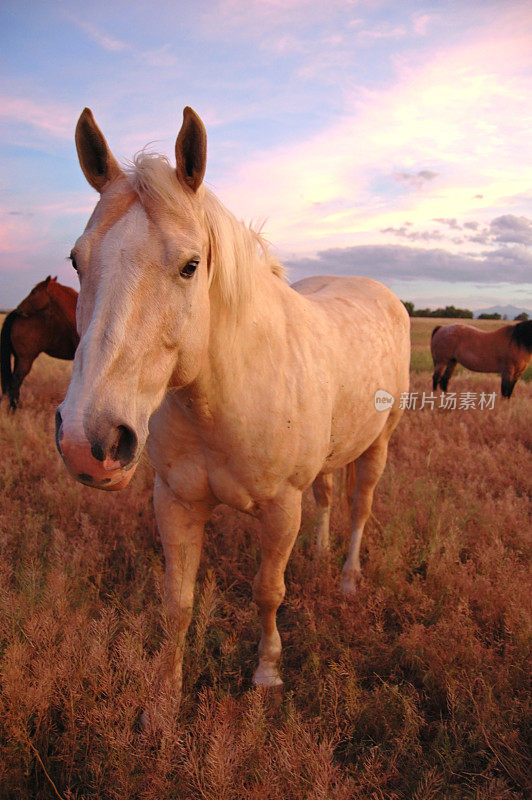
(436, 375)
(446, 377)
(508, 382)
(22, 367)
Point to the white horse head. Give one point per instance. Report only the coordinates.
(143, 309)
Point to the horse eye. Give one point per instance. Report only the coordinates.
(72, 258)
(190, 268)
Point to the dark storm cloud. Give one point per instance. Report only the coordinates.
(401, 262)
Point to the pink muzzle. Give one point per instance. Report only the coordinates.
(110, 468)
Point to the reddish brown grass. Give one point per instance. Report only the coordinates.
(417, 689)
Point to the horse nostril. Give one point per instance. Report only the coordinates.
(119, 445)
(58, 429)
(125, 445)
(98, 451)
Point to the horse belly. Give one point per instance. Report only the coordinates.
(65, 351)
(477, 360)
(62, 343)
(27, 338)
(357, 421)
(369, 369)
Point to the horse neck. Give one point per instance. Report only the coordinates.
(64, 300)
(245, 339)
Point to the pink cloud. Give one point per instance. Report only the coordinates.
(101, 38)
(52, 119)
(421, 23)
(459, 112)
(18, 234)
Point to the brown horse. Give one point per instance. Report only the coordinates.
(506, 351)
(44, 322)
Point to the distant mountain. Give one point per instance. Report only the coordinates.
(510, 311)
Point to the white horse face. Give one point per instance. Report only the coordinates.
(142, 315)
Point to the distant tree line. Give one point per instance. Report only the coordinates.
(455, 313)
(448, 311)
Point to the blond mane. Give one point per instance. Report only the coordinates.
(237, 250)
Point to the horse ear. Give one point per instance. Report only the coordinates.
(191, 150)
(96, 160)
(47, 279)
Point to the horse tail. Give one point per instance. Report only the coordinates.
(6, 350)
(437, 328)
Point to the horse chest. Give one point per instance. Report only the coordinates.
(196, 477)
(228, 464)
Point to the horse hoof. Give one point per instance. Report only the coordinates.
(268, 676)
(349, 585)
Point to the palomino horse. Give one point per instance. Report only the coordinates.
(250, 390)
(44, 322)
(506, 351)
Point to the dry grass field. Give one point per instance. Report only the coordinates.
(416, 690)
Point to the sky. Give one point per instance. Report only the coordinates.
(374, 138)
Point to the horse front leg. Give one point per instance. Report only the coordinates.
(280, 525)
(447, 375)
(436, 375)
(181, 530)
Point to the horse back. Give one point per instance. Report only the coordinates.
(363, 321)
(446, 339)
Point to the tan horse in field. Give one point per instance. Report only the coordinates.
(506, 351)
(244, 389)
(44, 322)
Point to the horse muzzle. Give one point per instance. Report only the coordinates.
(107, 462)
